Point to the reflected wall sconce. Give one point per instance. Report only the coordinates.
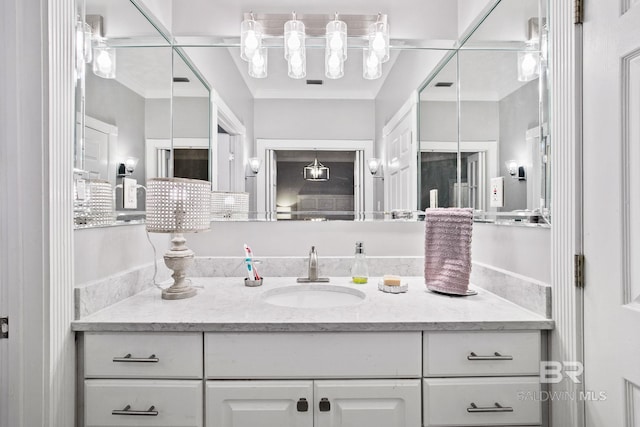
(529, 60)
(257, 30)
(127, 167)
(315, 171)
(178, 205)
(515, 170)
(254, 164)
(375, 166)
(91, 46)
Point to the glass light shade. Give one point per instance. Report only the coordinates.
(336, 36)
(379, 40)
(258, 64)
(254, 164)
(104, 61)
(333, 65)
(528, 66)
(131, 164)
(250, 38)
(297, 65)
(374, 165)
(371, 65)
(294, 36)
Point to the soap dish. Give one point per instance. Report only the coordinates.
(403, 287)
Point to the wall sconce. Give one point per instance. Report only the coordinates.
(127, 167)
(516, 171)
(375, 165)
(254, 166)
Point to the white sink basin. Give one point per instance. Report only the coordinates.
(313, 296)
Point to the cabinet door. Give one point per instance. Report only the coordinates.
(259, 403)
(370, 403)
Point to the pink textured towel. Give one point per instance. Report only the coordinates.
(447, 249)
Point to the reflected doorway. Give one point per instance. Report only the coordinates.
(297, 198)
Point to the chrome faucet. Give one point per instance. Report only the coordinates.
(312, 275)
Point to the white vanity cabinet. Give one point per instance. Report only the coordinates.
(317, 379)
(310, 379)
(484, 378)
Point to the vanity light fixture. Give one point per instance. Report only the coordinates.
(127, 167)
(336, 48)
(379, 38)
(258, 31)
(250, 38)
(104, 60)
(375, 166)
(294, 48)
(258, 64)
(371, 65)
(178, 205)
(316, 171)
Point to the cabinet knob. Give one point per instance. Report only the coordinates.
(303, 405)
(324, 405)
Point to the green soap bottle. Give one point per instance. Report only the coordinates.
(359, 269)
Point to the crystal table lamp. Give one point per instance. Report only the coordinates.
(178, 205)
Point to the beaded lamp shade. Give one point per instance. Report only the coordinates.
(178, 205)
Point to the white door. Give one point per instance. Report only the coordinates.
(401, 179)
(259, 403)
(612, 212)
(370, 403)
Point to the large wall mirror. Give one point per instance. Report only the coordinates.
(447, 115)
(483, 120)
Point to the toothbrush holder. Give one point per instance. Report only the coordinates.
(252, 283)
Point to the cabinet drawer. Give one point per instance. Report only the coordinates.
(481, 353)
(472, 401)
(313, 355)
(171, 403)
(143, 355)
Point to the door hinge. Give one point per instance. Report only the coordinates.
(578, 11)
(578, 270)
(4, 327)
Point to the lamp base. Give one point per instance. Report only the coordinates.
(178, 294)
(178, 259)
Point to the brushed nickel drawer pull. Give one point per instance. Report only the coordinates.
(128, 358)
(496, 408)
(496, 356)
(151, 412)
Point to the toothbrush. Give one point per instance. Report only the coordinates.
(248, 262)
(249, 255)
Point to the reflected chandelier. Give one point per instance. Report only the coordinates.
(373, 30)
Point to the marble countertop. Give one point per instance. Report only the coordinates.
(225, 304)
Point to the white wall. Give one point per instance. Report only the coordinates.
(104, 252)
(313, 119)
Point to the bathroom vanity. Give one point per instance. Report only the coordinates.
(227, 357)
